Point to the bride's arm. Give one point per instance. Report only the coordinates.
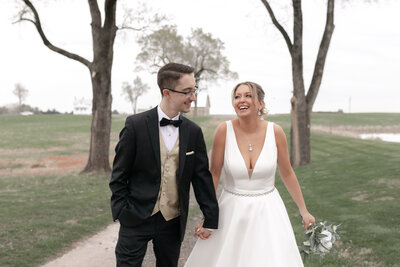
(217, 153)
(289, 177)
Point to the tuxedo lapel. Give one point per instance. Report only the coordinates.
(183, 142)
(152, 126)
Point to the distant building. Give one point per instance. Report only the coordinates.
(82, 106)
(202, 111)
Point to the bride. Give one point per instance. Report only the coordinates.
(254, 227)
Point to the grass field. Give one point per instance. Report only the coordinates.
(346, 119)
(350, 181)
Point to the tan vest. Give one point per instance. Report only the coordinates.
(168, 200)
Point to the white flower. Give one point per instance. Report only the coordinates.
(319, 239)
(326, 241)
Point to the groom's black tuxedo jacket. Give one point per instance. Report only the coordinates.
(136, 175)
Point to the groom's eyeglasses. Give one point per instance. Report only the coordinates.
(188, 94)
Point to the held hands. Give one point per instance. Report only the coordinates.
(308, 219)
(201, 232)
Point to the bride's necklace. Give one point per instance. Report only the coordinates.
(250, 145)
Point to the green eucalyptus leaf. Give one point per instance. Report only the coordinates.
(321, 236)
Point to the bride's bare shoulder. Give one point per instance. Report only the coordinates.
(279, 133)
(221, 129)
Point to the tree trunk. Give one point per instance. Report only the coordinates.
(300, 149)
(197, 77)
(101, 124)
(134, 105)
(100, 70)
(300, 152)
(195, 109)
(300, 132)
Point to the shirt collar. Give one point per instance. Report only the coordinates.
(161, 114)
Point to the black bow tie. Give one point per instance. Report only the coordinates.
(165, 122)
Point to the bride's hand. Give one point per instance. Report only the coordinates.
(308, 220)
(196, 228)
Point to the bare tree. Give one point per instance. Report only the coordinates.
(132, 93)
(21, 92)
(200, 50)
(103, 33)
(302, 102)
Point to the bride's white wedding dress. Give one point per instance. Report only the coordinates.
(254, 228)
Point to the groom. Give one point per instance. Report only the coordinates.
(158, 155)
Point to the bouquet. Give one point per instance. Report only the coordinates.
(319, 238)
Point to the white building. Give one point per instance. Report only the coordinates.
(82, 106)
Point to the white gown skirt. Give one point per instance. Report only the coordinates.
(253, 231)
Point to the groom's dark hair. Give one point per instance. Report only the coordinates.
(169, 75)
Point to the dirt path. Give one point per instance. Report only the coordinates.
(98, 250)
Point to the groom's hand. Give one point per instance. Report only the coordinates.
(203, 233)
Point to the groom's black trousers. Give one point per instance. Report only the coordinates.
(132, 242)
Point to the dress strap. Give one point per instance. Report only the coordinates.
(229, 133)
(270, 133)
(229, 125)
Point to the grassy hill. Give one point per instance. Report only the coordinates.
(350, 181)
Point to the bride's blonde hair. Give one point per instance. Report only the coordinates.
(257, 93)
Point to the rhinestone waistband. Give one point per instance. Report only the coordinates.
(249, 194)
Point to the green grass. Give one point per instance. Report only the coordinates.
(356, 119)
(42, 131)
(356, 183)
(350, 181)
(345, 119)
(41, 216)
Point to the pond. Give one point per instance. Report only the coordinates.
(389, 137)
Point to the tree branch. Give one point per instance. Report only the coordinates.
(209, 70)
(24, 19)
(132, 28)
(278, 25)
(46, 42)
(322, 53)
(110, 13)
(95, 13)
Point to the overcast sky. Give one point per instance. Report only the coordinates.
(362, 72)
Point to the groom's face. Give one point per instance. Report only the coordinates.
(180, 101)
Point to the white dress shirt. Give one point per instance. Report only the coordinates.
(169, 133)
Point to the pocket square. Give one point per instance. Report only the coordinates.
(189, 153)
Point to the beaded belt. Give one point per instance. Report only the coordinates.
(249, 194)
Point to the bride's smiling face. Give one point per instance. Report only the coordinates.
(244, 102)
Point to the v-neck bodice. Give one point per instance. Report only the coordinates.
(235, 174)
(249, 171)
